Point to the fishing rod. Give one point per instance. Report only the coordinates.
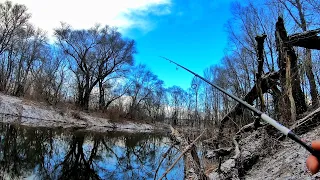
(261, 114)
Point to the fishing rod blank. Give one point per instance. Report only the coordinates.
(262, 115)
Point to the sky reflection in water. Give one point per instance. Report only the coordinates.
(41, 153)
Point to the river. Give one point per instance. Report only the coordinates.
(44, 153)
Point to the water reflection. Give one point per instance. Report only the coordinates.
(59, 154)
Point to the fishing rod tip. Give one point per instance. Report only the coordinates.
(166, 59)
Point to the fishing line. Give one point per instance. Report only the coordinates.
(259, 113)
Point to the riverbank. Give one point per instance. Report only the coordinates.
(34, 114)
(263, 154)
(289, 162)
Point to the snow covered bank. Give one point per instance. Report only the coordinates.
(15, 110)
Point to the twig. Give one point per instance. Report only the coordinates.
(302, 121)
(164, 156)
(246, 128)
(305, 119)
(176, 161)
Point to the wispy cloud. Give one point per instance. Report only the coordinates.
(124, 14)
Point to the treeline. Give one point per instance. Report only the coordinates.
(95, 69)
(91, 67)
(242, 67)
(258, 77)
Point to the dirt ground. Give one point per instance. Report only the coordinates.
(287, 163)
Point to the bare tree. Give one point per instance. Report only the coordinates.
(50, 78)
(315, 4)
(111, 90)
(213, 98)
(155, 104)
(176, 98)
(196, 85)
(94, 54)
(142, 87)
(30, 49)
(13, 20)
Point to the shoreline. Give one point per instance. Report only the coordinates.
(15, 110)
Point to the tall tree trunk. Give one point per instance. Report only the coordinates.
(18, 85)
(260, 48)
(85, 101)
(86, 93)
(83, 97)
(312, 82)
(288, 89)
(298, 95)
(6, 74)
(292, 100)
(101, 95)
(80, 95)
(284, 101)
(302, 23)
(308, 60)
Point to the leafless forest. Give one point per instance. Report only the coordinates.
(272, 61)
(94, 68)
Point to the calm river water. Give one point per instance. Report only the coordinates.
(42, 153)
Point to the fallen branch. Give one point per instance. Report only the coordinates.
(267, 82)
(305, 119)
(307, 39)
(163, 158)
(182, 154)
(246, 128)
(303, 125)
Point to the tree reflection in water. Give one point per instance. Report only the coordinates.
(59, 154)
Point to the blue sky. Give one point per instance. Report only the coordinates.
(193, 35)
(190, 32)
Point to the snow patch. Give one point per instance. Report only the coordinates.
(14, 110)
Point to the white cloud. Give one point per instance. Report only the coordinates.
(47, 14)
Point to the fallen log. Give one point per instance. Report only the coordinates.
(308, 39)
(305, 124)
(193, 168)
(268, 81)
